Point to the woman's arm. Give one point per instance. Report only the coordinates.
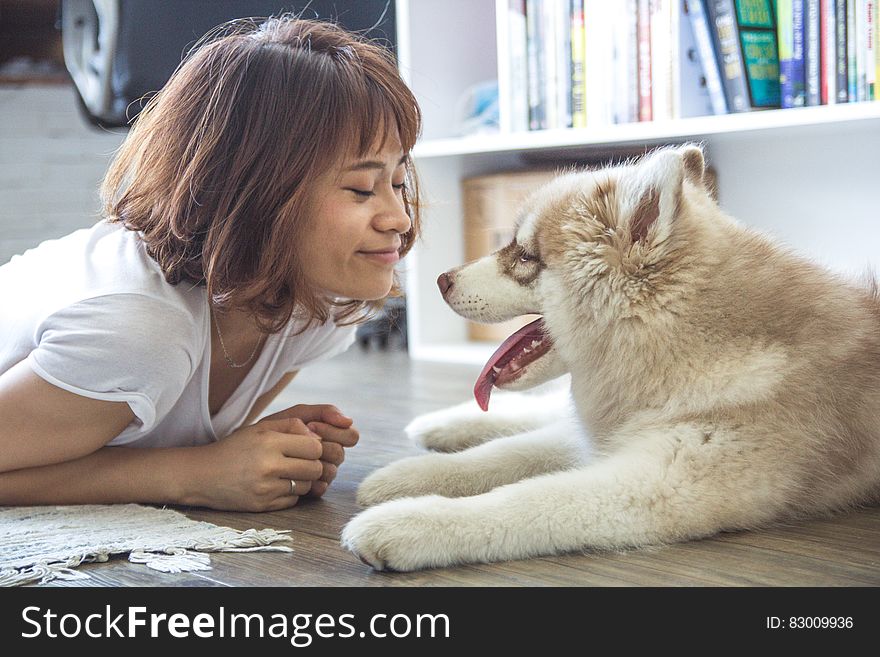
(52, 451)
(43, 424)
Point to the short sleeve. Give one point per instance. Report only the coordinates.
(122, 347)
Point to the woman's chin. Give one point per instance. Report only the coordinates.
(366, 292)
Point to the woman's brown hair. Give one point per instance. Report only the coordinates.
(216, 170)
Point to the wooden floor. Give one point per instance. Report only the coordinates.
(383, 391)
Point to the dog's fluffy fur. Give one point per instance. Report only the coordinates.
(718, 382)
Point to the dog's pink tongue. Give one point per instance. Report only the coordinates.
(486, 380)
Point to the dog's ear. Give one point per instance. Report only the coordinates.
(656, 190)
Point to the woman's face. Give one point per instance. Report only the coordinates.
(351, 244)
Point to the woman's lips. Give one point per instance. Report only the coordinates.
(384, 257)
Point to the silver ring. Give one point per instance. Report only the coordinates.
(292, 487)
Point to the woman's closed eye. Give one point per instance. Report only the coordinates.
(367, 193)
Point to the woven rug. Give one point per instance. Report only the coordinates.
(42, 543)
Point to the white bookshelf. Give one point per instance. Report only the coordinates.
(810, 176)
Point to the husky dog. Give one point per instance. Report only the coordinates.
(718, 382)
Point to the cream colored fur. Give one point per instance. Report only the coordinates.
(719, 382)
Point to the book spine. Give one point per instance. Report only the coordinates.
(632, 47)
(518, 76)
(757, 32)
(578, 62)
(851, 74)
(861, 49)
(661, 63)
(535, 49)
(785, 41)
(503, 57)
(644, 50)
(870, 48)
(598, 17)
(829, 59)
(876, 52)
(619, 63)
(812, 60)
(691, 87)
(725, 38)
(551, 47)
(703, 41)
(841, 60)
(563, 61)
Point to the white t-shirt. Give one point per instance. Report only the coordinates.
(92, 314)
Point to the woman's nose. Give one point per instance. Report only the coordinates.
(393, 217)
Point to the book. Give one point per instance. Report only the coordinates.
(661, 59)
(535, 60)
(644, 56)
(625, 76)
(578, 63)
(840, 48)
(876, 53)
(599, 52)
(756, 25)
(703, 41)
(827, 47)
(690, 87)
(790, 36)
(561, 16)
(870, 47)
(725, 41)
(851, 75)
(860, 50)
(551, 73)
(513, 67)
(812, 60)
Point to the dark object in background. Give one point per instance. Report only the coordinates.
(117, 51)
(387, 329)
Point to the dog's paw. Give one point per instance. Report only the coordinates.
(408, 477)
(452, 429)
(402, 535)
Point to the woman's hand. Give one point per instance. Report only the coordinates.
(336, 433)
(252, 468)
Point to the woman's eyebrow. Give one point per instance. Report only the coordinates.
(373, 164)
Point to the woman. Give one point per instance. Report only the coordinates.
(254, 212)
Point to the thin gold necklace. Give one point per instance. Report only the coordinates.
(231, 363)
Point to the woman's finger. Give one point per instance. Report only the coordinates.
(333, 453)
(345, 437)
(300, 447)
(283, 502)
(300, 469)
(318, 489)
(329, 473)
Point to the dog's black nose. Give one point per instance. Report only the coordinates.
(444, 282)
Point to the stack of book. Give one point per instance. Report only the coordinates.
(587, 63)
(827, 52)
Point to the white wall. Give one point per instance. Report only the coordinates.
(830, 211)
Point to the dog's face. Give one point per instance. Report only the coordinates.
(591, 250)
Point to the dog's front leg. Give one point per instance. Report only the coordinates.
(559, 446)
(678, 490)
(465, 425)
